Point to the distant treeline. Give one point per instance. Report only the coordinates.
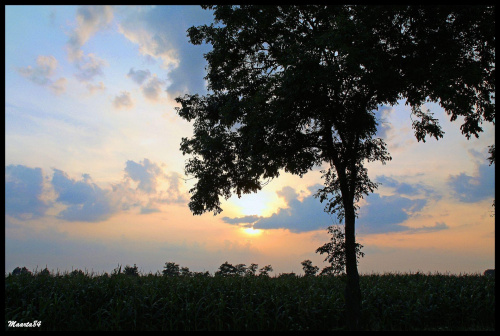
(226, 269)
(242, 298)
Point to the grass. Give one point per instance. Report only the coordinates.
(83, 301)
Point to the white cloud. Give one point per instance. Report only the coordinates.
(382, 214)
(123, 101)
(89, 66)
(43, 72)
(93, 88)
(383, 114)
(90, 19)
(153, 88)
(152, 42)
(471, 189)
(151, 85)
(24, 188)
(160, 33)
(85, 200)
(28, 196)
(151, 180)
(138, 76)
(59, 86)
(299, 216)
(145, 173)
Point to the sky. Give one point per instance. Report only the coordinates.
(94, 177)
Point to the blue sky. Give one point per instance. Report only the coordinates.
(94, 176)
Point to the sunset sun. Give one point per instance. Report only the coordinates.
(251, 231)
(259, 204)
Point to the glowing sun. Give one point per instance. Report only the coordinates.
(251, 231)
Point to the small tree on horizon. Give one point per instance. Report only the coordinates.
(264, 271)
(21, 271)
(227, 269)
(335, 251)
(309, 269)
(171, 269)
(131, 270)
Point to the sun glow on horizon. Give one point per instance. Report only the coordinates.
(260, 204)
(251, 231)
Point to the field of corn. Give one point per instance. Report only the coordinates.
(121, 301)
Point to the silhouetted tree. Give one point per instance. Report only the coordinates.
(44, 272)
(226, 269)
(294, 87)
(131, 270)
(492, 161)
(241, 269)
(251, 269)
(309, 269)
(264, 271)
(335, 251)
(185, 271)
(171, 269)
(21, 271)
(77, 272)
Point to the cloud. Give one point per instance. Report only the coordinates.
(382, 114)
(300, 216)
(89, 66)
(23, 192)
(26, 196)
(471, 189)
(152, 88)
(43, 72)
(149, 176)
(173, 194)
(123, 101)
(378, 214)
(404, 188)
(383, 214)
(145, 172)
(59, 86)
(85, 200)
(239, 220)
(428, 229)
(138, 76)
(288, 194)
(147, 211)
(160, 33)
(89, 20)
(153, 41)
(93, 88)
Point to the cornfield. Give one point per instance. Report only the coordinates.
(83, 301)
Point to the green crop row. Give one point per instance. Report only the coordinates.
(78, 301)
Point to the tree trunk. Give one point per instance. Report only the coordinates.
(353, 290)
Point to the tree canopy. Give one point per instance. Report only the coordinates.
(295, 86)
